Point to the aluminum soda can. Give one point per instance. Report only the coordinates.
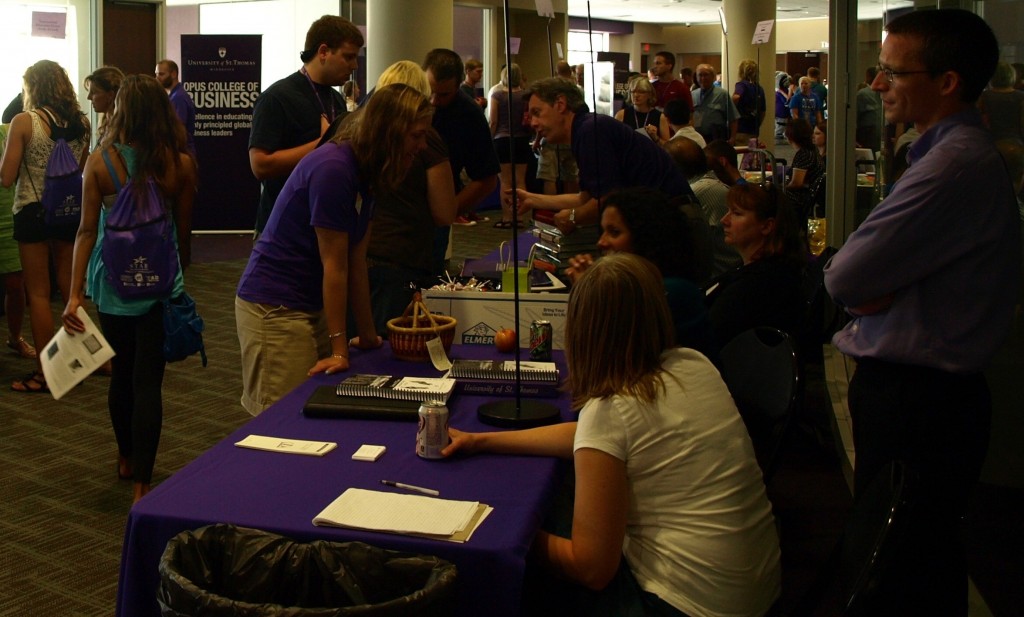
(432, 433)
(540, 340)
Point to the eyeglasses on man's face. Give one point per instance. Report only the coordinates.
(891, 75)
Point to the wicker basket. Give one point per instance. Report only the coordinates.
(409, 339)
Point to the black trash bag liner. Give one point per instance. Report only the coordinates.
(222, 570)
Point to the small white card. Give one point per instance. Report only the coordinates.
(368, 453)
(437, 355)
(288, 446)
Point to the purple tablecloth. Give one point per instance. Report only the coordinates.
(282, 493)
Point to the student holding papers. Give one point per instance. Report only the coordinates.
(144, 140)
(670, 513)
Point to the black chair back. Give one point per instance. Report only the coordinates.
(761, 369)
(872, 530)
(850, 578)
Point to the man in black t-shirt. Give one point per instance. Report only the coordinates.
(467, 136)
(290, 116)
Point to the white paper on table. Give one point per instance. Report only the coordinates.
(398, 513)
(287, 446)
(69, 358)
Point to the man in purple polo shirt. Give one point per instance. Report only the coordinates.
(931, 279)
(167, 74)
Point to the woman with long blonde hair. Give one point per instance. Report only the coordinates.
(144, 141)
(51, 112)
(748, 97)
(309, 264)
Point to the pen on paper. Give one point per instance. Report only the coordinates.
(410, 487)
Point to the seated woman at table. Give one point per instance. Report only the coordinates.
(766, 289)
(643, 221)
(670, 512)
(309, 264)
(808, 165)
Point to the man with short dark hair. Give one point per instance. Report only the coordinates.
(931, 279)
(817, 87)
(711, 193)
(474, 75)
(465, 131)
(609, 155)
(722, 157)
(686, 76)
(869, 114)
(678, 115)
(291, 115)
(167, 74)
(666, 86)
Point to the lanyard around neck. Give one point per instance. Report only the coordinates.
(316, 93)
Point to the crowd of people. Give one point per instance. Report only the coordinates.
(358, 196)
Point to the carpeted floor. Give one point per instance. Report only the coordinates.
(63, 510)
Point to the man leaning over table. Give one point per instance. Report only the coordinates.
(930, 279)
(609, 155)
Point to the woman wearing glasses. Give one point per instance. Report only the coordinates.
(640, 113)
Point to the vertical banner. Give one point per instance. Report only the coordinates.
(221, 72)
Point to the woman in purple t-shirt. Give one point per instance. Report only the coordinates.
(309, 264)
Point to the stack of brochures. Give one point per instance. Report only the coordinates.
(377, 397)
(497, 378)
(404, 388)
(414, 515)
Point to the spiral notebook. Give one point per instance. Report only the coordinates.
(402, 388)
(503, 369)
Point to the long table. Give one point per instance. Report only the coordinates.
(282, 493)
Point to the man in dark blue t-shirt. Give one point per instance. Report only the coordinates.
(609, 154)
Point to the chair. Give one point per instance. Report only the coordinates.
(851, 576)
(760, 368)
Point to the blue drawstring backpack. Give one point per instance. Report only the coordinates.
(183, 329)
(138, 240)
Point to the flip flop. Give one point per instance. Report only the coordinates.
(33, 383)
(22, 348)
(503, 225)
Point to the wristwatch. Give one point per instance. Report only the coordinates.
(572, 215)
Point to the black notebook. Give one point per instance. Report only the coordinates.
(326, 403)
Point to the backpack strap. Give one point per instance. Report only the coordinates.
(110, 168)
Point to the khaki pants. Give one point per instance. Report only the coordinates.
(279, 345)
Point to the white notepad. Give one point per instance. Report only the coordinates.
(288, 446)
(443, 519)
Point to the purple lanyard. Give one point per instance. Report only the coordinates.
(316, 93)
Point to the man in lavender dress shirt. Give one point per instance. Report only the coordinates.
(931, 279)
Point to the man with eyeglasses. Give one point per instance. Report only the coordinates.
(931, 279)
(714, 114)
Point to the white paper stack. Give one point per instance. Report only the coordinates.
(443, 519)
(287, 446)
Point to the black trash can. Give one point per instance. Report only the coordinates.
(222, 570)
